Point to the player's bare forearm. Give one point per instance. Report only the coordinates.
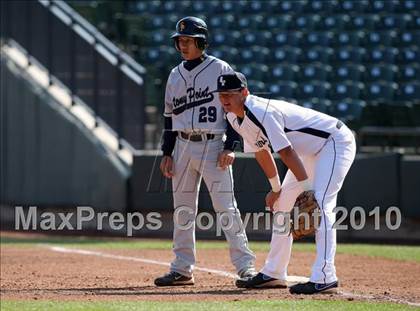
(266, 161)
(166, 166)
(290, 158)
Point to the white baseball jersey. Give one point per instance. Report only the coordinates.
(327, 149)
(189, 97)
(276, 124)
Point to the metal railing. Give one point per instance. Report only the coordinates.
(94, 69)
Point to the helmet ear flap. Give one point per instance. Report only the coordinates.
(201, 43)
(176, 42)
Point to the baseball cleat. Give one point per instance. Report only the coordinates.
(247, 273)
(261, 281)
(174, 279)
(310, 288)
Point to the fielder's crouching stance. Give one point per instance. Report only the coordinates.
(318, 150)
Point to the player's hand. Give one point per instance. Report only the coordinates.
(271, 198)
(166, 165)
(225, 158)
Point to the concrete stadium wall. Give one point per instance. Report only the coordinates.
(374, 180)
(410, 186)
(48, 158)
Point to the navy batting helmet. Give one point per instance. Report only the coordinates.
(194, 27)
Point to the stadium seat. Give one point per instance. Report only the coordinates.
(283, 89)
(353, 38)
(414, 24)
(306, 22)
(166, 7)
(285, 54)
(317, 54)
(381, 72)
(278, 22)
(384, 37)
(321, 105)
(313, 89)
(409, 6)
(409, 55)
(227, 53)
(350, 6)
(227, 6)
(255, 71)
(150, 55)
(380, 6)
(349, 111)
(226, 21)
(333, 22)
(382, 55)
(254, 54)
(349, 54)
(257, 87)
(363, 22)
(291, 38)
(346, 89)
(235, 38)
(380, 91)
(137, 7)
(262, 54)
(159, 38)
(220, 38)
(409, 72)
(155, 7)
(409, 38)
(249, 22)
(284, 72)
(262, 38)
(198, 7)
(351, 72)
(316, 38)
(315, 71)
(396, 21)
(409, 91)
(246, 56)
(250, 7)
(319, 6)
(226, 38)
(287, 6)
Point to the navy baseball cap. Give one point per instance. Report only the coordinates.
(231, 82)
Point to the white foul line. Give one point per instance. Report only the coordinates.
(149, 261)
(214, 271)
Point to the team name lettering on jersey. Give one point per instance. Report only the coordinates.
(195, 98)
(189, 97)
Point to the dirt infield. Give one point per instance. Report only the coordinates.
(40, 272)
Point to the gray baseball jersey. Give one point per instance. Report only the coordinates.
(190, 100)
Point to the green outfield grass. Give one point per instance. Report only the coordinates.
(411, 253)
(208, 306)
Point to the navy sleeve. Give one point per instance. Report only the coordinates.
(169, 138)
(233, 140)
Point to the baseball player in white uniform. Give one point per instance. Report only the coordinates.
(194, 148)
(318, 150)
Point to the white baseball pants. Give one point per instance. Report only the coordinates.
(327, 170)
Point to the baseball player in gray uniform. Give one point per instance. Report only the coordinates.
(318, 150)
(194, 148)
